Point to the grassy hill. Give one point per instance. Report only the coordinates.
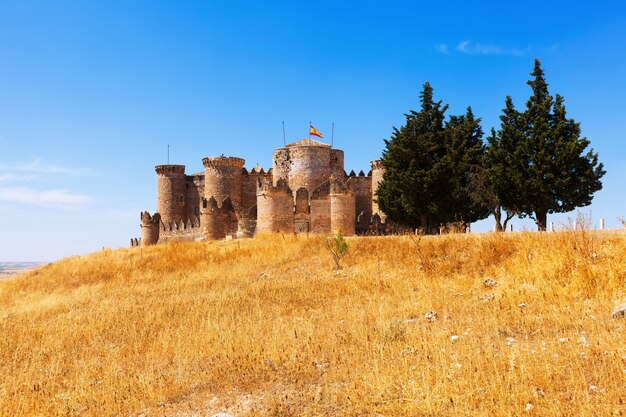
(265, 326)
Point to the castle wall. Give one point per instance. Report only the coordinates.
(223, 178)
(320, 209)
(250, 186)
(171, 192)
(342, 208)
(336, 163)
(362, 201)
(195, 192)
(188, 231)
(274, 209)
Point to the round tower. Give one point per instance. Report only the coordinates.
(306, 163)
(223, 177)
(172, 187)
(274, 208)
(150, 228)
(214, 219)
(377, 176)
(342, 208)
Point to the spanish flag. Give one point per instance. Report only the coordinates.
(313, 131)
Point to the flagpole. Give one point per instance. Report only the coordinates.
(284, 139)
(310, 129)
(332, 136)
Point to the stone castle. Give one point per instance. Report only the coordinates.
(306, 190)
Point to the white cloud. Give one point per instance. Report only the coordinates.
(470, 48)
(17, 177)
(47, 198)
(36, 166)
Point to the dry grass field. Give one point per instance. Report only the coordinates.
(265, 326)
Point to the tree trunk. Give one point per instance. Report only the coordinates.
(497, 214)
(541, 216)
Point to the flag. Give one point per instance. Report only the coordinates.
(313, 131)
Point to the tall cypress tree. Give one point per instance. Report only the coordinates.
(427, 162)
(411, 182)
(537, 161)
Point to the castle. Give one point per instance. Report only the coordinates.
(306, 190)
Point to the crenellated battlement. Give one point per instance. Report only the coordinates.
(338, 186)
(148, 220)
(170, 169)
(223, 161)
(377, 164)
(265, 187)
(191, 223)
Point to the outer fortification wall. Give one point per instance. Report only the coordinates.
(171, 192)
(195, 192)
(320, 209)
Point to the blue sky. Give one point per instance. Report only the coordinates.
(91, 93)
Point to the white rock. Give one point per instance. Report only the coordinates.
(619, 311)
(490, 283)
(431, 316)
(454, 338)
(510, 341)
(563, 339)
(529, 407)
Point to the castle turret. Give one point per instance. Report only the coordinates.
(342, 207)
(150, 228)
(274, 207)
(215, 218)
(223, 178)
(377, 176)
(171, 192)
(306, 163)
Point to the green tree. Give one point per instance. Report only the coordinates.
(427, 162)
(536, 163)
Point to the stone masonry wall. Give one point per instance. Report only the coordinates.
(310, 166)
(274, 209)
(223, 177)
(171, 192)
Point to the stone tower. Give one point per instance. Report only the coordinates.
(342, 207)
(171, 192)
(223, 177)
(306, 163)
(150, 228)
(377, 176)
(274, 207)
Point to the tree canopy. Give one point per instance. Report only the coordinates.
(427, 162)
(536, 162)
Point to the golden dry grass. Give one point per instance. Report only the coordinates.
(266, 327)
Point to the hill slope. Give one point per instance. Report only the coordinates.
(266, 327)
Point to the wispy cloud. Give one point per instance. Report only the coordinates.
(36, 165)
(46, 198)
(470, 48)
(17, 177)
